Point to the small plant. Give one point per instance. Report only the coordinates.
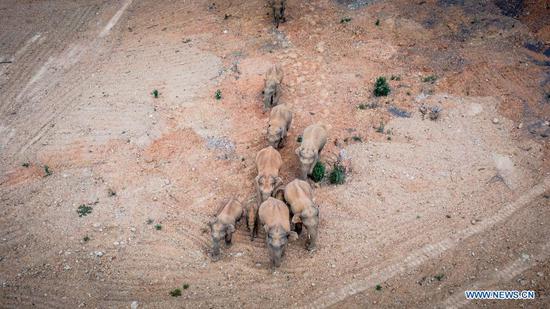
(299, 139)
(26, 164)
(439, 277)
(364, 106)
(318, 172)
(380, 128)
(378, 287)
(111, 192)
(430, 79)
(381, 87)
(218, 94)
(185, 286)
(155, 93)
(150, 221)
(84, 210)
(175, 292)
(338, 174)
(377, 23)
(408, 93)
(47, 171)
(345, 20)
(356, 138)
(395, 77)
(434, 112)
(158, 227)
(86, 238)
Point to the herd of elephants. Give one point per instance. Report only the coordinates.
(281, 210)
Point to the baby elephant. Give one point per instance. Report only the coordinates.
(313, 141)
(268, 182)
(299, 195)
(279, 124)
(272, 88)
(274, 216)
(223, 225)
(278, 7)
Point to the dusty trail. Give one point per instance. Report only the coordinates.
(465, 196)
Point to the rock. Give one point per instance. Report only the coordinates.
(133, 229)
(98, 253)
(116, 243)
(134, 305)
(67, 267)
(525, 256)
(540, 274)
(96, 225)
(238, 254)
(495, 120)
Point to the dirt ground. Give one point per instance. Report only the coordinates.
(429, 208)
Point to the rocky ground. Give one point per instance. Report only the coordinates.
(430, 208)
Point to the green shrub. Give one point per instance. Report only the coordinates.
(337, 175)
(345, 20)
(185, 286)
(175, 292)
(381, 87)
(430, 79)
(158, 227)
(47, 171)
(378, 287)
(318, 172)
(84, 210)
(26, 164)
(218, 94)
(377, 23)
(155, 93)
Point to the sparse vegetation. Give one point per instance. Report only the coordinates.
(380, 128)
(378, 287)
(299, 139)
(26, 164)
(185, 286)
(356, 138)
(155, 93)
(47, 171)
(364, 106)
(158, 227)
(218, 94)
(338, 174)
(345, 20)
(86, 238)
(395, 77)
(381, 87)
(377, 23)
(318, 172)
(175, 292)
(439, 277)
(84, 210)
(430, 79)
(150, 221)
(434, 112)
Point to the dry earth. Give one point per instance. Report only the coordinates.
(429, 209)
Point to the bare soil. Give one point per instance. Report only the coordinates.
(429, 208)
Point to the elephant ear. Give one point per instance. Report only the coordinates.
(292, 236)
(230, 228)
(296, 219)
(278, 186)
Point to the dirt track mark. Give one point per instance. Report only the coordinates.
(427, 252)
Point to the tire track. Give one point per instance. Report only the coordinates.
(428, 252)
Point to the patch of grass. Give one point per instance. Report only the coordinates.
(155, 93)
(439, 277)
(378, 287)
(299, 139)
(318, 172)
(86, 238)
(150, 221)
(111, 192)
(345, 20)
(26, 164)
(158, 227)
(47, 171)
(338, 174)
(364, 106)
(377, 23)
(218, 94)
(380, 128)
(356, 138)
(381, 87)
(84, 210)
(430, 79)
(175, 292)
(395, 77)
(185, 286)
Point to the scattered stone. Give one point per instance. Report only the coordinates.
(67, 267)
(495, 120)
(540, 274)
(134, 305)
(98, 253)
(525, 256)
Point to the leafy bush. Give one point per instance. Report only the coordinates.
(318, 172)
(84, 210)
(218, 94)
(155, 93)
(175, 292)
(338, 175)
(381, 87)
(430, 79)
(345, 20)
